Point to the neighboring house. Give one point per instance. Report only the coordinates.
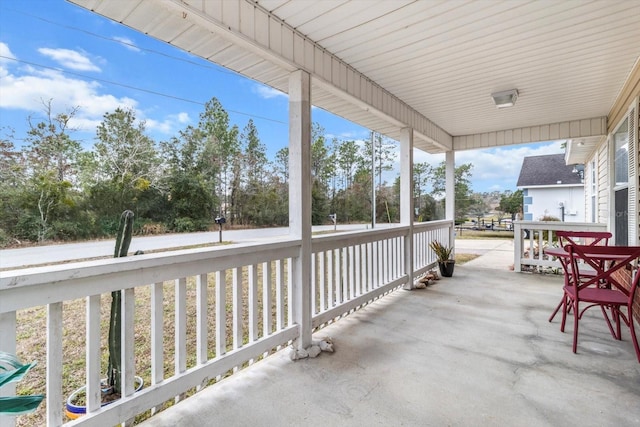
(550, 187)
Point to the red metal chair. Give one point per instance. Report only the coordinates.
(590, 238)
(604, 260)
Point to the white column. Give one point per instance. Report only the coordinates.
(406, 200)
(300, 199)
(450, 192)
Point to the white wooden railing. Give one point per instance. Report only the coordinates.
(211, 310)
(531, 237)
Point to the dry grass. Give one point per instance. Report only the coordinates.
(463, 258)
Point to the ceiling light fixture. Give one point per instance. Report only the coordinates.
(505, 98)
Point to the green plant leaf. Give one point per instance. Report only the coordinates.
(17, 405)
(8, 360)
(15, 375)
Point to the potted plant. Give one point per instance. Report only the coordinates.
(444, 255)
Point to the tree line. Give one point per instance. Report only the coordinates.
(53, 189)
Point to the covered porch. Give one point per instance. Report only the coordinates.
(474, 349)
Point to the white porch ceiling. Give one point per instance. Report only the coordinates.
(428, 64)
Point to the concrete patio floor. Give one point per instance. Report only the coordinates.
(472, 350)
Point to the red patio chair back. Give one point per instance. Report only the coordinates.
(615, 299)
(590, 238)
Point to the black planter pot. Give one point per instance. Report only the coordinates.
(446, 268)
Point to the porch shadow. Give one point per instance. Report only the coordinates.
(474, 349)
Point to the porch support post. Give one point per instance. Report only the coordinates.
(300, 200)
(406, 200)
(450, 193)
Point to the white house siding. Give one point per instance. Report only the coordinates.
(545, 201)
(602, 159)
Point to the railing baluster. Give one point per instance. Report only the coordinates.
(267, 300)
(221, 313)
(237, 308)
(330, 279)
(157, 336)
(346, 275)
(338, 275)
(93, 393)
(181, 329)
(314, 285)
(322, 281)
(55, 400)
(253, 301)
(289, 293)
(128, 341)
(356, 272)
(279, 295)
(202, 325)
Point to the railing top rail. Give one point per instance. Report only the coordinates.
(219, 256)
(558, 225)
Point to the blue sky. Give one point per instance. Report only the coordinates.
(53, 50)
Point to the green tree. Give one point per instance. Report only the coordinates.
(189, 200)
(511, 203)
(51, 156)
(220, 157)
(462, 186)
(125, 163)
(12, 189)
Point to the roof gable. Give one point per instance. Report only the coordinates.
(549, 170)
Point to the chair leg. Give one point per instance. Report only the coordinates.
(576, 318)
(616, 318)
(557, 309)
(634, 338)
(565, 304)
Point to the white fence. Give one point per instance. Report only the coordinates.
(193, 316)
(531, 237)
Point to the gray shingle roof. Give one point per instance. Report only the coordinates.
(546, 170)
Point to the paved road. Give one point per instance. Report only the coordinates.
(38, 255)
(494, 252)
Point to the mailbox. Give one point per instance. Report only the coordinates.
(220, 220)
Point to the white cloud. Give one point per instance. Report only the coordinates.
(267, 92)
(169, 125)
(127, 43)
(5, 52)
(70, 59)
(495, 169)
(28, 90)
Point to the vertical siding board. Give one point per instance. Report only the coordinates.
(545, 134)
(261, 19)
(287, 43)
(247, 19)
(231, 14)
(275, 36)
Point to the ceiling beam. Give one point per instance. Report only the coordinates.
(585, 128)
